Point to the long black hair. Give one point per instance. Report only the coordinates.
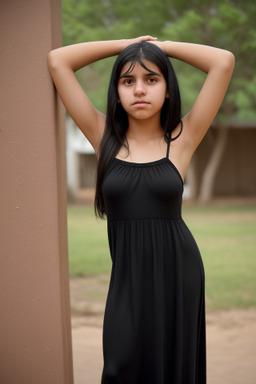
(116, 118)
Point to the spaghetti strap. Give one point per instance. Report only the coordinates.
(168, 148)
(169, 139)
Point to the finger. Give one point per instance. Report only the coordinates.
(149, 38)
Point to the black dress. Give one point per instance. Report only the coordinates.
(154, 324)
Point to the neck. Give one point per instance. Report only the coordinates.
(144, 129)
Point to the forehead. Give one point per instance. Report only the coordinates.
(136, 68)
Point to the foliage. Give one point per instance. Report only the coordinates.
(224, 23)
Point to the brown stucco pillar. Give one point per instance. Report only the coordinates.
(35, 332)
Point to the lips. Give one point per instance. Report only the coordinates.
(140, 103)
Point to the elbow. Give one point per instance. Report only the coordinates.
(52, 60)
(56, 61)
(228, 62)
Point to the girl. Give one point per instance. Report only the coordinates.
(154, 324)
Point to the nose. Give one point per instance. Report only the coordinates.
(139, 88)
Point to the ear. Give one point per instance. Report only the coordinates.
(167, 95)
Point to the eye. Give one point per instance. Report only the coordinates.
(127, 81)
(152, 80)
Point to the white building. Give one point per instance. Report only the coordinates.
(81, 163)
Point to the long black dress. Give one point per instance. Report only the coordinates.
(154, 324)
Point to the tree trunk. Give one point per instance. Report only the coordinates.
(191, 180)
(207, 183)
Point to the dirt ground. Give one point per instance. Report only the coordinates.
(231, 338)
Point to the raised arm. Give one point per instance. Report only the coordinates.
(63, 62)
(218, 64)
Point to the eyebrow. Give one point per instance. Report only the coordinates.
(147, 74)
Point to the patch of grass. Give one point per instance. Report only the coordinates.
(87, 243)
(225, 234)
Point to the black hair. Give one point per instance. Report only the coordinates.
(114, 135)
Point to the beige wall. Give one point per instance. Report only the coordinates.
(35, 335)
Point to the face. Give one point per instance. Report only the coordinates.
(142, 93)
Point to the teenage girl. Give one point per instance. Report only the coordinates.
(154, 324)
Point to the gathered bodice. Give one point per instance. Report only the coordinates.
(142, 190)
